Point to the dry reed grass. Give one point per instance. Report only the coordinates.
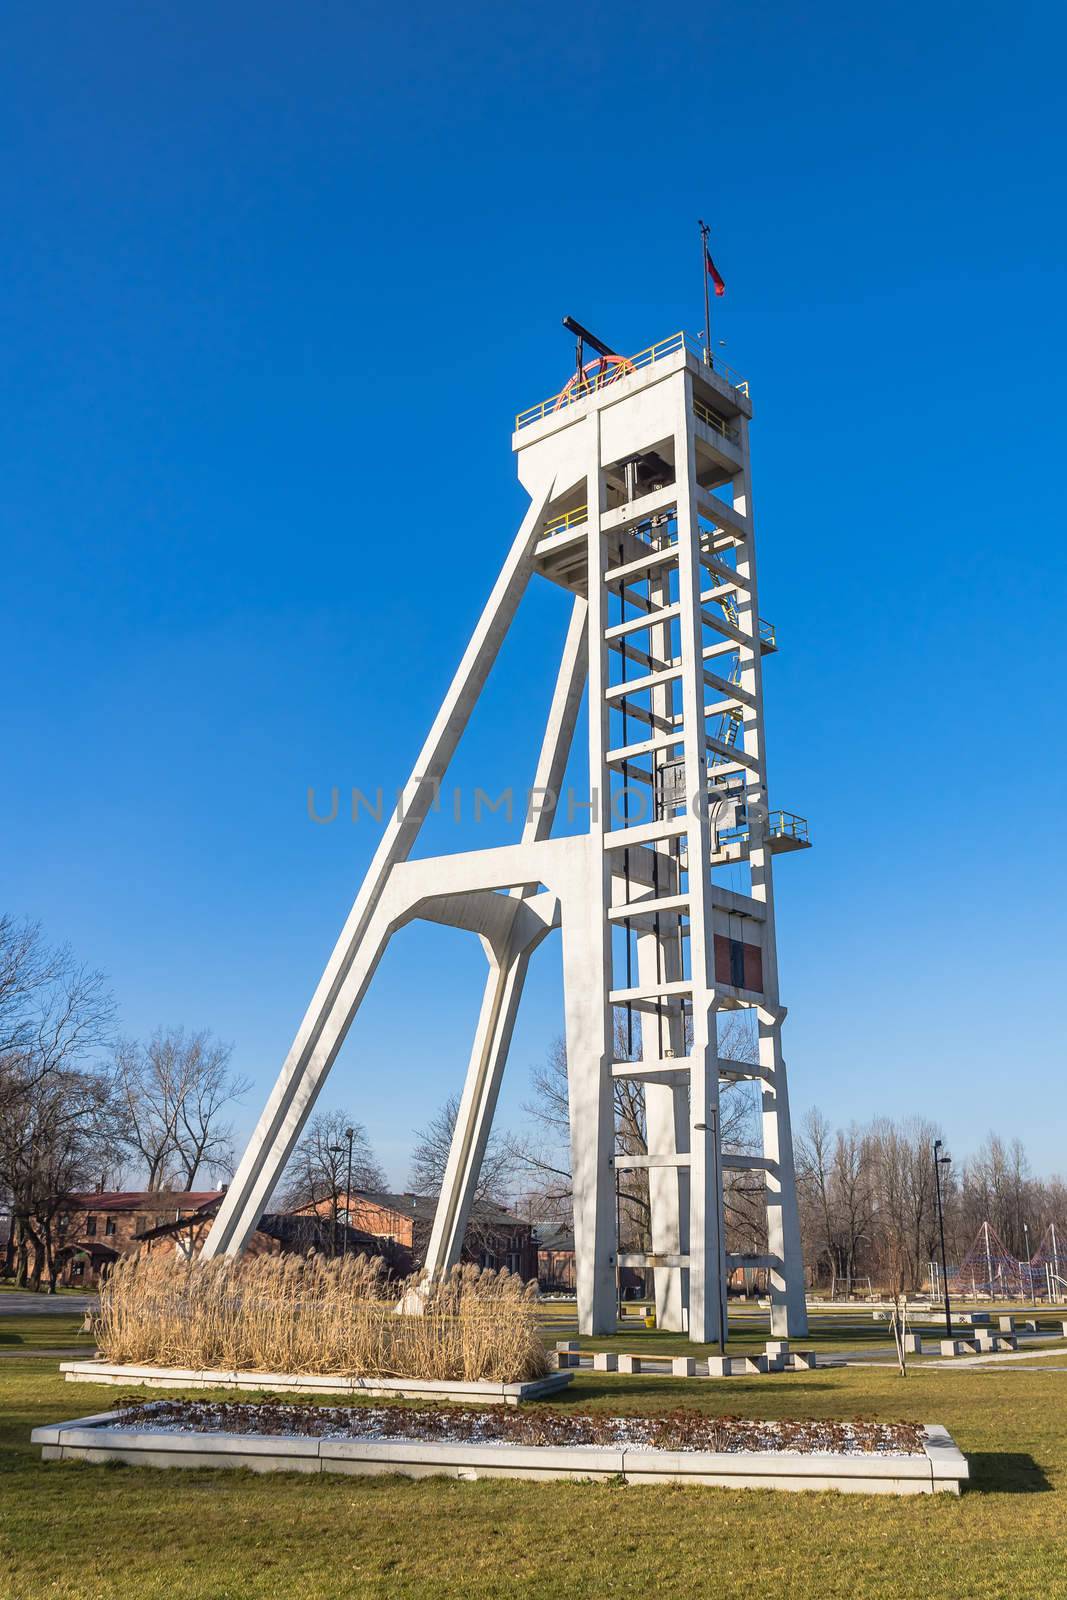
(308, 1314)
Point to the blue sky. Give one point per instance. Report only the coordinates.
(278, 278)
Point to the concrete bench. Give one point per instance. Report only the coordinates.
(802, 1361)
(991, 1342)
(635, 1364)
(983, 1344)
(736, 1366)
(959, 1347)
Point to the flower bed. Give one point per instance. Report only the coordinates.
(677, 1447)
(674, 1430)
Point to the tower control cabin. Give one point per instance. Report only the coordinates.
(641, 508)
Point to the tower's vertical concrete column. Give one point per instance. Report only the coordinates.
(789, 1317)
(707, 1257)
(587, 968)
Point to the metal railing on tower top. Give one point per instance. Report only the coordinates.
(591, 382)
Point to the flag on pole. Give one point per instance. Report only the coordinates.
(713, 273)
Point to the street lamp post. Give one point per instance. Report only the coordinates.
(939, 1162)
(1029, 1269)
(335, 1188)
(350, 1134)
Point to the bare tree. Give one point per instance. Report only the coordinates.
(316, 1175)
(544, 1153)
(835, 1182)
(54, 1015)
(430, 1156)
(65, 1139)
(24, 971)
(175, 1091)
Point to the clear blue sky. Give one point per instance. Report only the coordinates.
(263, 263)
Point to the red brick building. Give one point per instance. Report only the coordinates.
(495, 1237)
(98, 1228)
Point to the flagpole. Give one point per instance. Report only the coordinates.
(704, 231)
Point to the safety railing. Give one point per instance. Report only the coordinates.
(787, 825)
(591, 383)
(569, 519)
(716, 424)
(780, 825)
(768, 634)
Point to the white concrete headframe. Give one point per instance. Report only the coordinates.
(640, 506)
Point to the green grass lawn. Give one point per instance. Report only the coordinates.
(53, 1331)
(71, 1530)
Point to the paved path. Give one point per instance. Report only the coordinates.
(14, 1303)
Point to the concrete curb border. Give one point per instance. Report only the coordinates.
(941, 1469)
(481, 1393)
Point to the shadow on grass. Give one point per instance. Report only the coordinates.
(1005, 1472)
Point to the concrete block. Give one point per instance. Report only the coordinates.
(1007, 1324)
(718, 1366)
(568, 1344)
(913, 1345)
(683, 1366)
(605, 1361)
(481, 1393)
(803, 1361)
(629, 1364)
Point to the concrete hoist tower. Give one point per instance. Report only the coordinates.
(641, 507)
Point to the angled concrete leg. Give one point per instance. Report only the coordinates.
(363, 937)
(474, 1120)
(292, 1100)
(507, 969)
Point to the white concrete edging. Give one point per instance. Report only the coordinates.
(480, 1393)
(941, 1468)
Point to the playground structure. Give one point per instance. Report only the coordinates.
(990, 1271)
(641, 510)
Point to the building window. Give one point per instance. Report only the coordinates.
(90, 1227)
(109, 1227)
